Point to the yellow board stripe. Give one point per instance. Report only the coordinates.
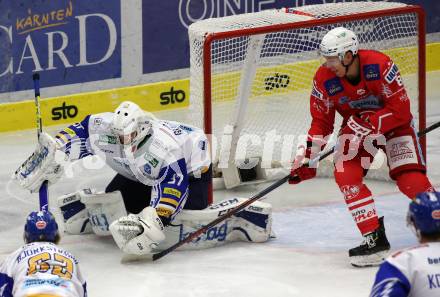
(432, 56)
(150, 97)
(282, 75)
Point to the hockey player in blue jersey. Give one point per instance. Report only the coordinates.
(162, 167)
(415, 271)
(40, 267)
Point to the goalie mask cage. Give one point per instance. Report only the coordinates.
(251, 74)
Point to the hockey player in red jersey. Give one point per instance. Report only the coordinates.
(366, 89)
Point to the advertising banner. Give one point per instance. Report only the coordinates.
(165, 26)
(163, 97)
(67, 41)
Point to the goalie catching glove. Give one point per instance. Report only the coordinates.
(138, 234)
(44, 164)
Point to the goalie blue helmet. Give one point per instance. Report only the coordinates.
(40, 226)
(424, 213)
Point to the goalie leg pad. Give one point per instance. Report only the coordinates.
(103, 209)
(252, 224)
(89, 211)
(75, 217)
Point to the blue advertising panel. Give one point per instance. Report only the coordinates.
(165, 37)
(165, 26)
(67, 41)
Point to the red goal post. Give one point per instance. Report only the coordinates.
(226, 51)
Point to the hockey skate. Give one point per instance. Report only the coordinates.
(373, 249)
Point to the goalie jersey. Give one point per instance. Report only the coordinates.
(164, 159)
(411, 272)
(41, 268)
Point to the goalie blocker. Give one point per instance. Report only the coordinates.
(137, 234)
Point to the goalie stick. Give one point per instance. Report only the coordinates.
(256, 197)
(44, 205)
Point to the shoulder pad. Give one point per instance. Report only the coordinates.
(100, 121)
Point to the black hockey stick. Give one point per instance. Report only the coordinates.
(254, 198)
(44, 205)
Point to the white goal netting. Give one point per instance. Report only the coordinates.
(252, 73)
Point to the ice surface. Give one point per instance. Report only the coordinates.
(308, 258)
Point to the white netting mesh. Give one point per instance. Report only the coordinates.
(262, 83)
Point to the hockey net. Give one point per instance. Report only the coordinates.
(251, 75)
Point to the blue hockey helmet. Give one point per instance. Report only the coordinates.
(424, 212)
(40, 226)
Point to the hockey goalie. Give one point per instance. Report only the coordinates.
(160, 192)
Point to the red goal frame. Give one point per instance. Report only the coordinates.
(410, 9)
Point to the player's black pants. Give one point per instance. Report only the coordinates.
(137, 196)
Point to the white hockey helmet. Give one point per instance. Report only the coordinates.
(130, 123)
(337, 42)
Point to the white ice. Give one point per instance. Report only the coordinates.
(308, 258)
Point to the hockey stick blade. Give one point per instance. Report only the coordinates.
(256, 197)
(129, 258)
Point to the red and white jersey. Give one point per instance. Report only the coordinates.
(380, 90)
(41, 268)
